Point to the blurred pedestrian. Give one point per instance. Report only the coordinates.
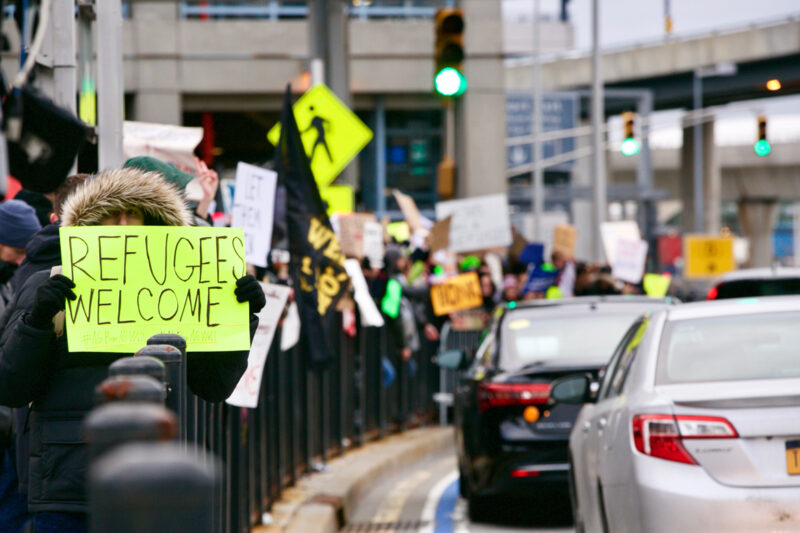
(37, 368)
(18, 224)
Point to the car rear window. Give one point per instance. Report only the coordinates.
(747, 288)
(732, 348)
(530, 337)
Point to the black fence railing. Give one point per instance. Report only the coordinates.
(305, 416)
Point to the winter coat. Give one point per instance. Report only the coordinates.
(42, 253)
(37, 369)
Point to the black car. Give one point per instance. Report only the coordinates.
(511, 437)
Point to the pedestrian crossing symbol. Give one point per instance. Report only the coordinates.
(332, 134)
(707, 256)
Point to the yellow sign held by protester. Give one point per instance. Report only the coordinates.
(456, 294)
(708, 256)
(332, 134)
(133, 282)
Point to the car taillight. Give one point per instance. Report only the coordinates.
(712, 294)
(506, 394)
(661, 435)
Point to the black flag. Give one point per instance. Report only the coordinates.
(317, 262)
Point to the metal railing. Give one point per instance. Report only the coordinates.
(276, 9)
(304, 416)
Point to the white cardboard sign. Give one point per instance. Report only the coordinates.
(373, 243)
(171, 144)
(370, 316)
(253, 210)
(629, 263)
(478, 223)
(613, 232)
(246, 392)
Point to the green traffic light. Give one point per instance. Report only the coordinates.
(762, 148)
(450, 82)
(630, 146)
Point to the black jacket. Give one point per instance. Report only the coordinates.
(36, 368)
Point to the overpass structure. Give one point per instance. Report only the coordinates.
(667, 69)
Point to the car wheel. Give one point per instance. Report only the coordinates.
(463, 483)
(478, 509)
(573, 500)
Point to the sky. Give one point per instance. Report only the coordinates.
(626, 22)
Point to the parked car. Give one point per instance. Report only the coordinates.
(511, 438)
(751, 282)
(696, 425)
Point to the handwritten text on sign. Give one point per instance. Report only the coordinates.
(253, 209)
(461, 292)
(132, 282)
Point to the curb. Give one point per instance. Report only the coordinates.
(323, 502)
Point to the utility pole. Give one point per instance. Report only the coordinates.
(697, 149)
(598, 149)
(110, 84)
(538, 169)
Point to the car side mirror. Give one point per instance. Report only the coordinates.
(575, 389)
(452, 359)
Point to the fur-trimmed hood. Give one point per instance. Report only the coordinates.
(119, 189)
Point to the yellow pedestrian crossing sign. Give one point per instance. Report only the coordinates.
(707, 256)
(332, 134)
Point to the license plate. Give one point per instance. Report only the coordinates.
(793, 457)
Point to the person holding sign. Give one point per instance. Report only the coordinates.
(37, 367)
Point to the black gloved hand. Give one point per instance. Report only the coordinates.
(49, 300)
(249, 290)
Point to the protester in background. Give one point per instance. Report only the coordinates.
(41, 203)
(510, 288)
(207, 180)
(36, 367)
(18, 224)
(566, 273)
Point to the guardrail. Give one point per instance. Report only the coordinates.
(304, 417)
(274, 9)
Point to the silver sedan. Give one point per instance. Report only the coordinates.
(696, 424)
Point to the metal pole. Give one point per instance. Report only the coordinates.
(380, 156)
(538, 172)
(598, 119)
(110, 83)
(64, 68)
(698, 181)
(450, 130)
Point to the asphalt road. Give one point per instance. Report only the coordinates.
(425, 499)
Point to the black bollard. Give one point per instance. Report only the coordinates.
(152, 488)
(141, 366)
(118, 423)
(188, 416)
(173, 359)
(130, 389)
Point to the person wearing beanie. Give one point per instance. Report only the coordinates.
(18, 224)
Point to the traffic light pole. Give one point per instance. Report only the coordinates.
(538, 171)
(697, 148)
(598, 147)
(110, 84)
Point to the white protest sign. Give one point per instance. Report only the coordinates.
(290, 332)
(246, 392)
(613, 232)
(171, 144)
(253, 210)
(372, 243)
(370, 316)
(628, 265)
(478, 223)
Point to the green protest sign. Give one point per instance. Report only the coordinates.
(391, 300)
(132, 282)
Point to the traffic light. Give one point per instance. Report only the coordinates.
(448, 78)
(630, 146)
(762, 146)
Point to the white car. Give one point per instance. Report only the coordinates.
(696, 425)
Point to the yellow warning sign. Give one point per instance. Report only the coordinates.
(708, 256)
(339, 198)
(331, 133)
(456, 294)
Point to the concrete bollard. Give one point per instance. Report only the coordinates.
(130, 389)
(173, 359)
(141, 366)
(152, 488)
(118, 423)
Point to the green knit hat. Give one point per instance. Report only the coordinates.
(173, 175)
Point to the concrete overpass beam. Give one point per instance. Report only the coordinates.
(712, 181)
(758, 217)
